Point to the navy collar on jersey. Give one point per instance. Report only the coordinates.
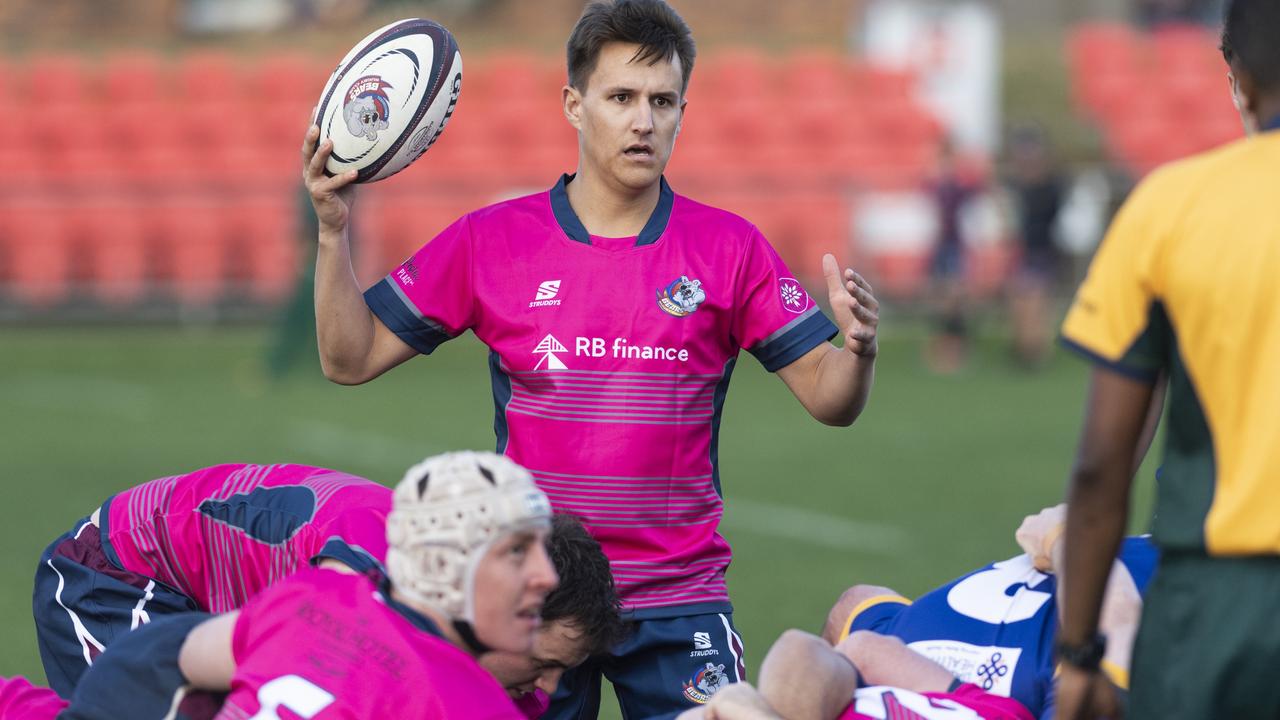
(574, 228)
(1273, 125)
(415, 618)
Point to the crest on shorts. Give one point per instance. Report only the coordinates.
(706, 681)
(367, 107)
(682, 297)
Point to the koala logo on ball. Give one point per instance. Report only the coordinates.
(367, 107)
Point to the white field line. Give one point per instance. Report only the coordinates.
(811, 527)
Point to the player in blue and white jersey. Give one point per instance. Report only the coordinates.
(995, 626)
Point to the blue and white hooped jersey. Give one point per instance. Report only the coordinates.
(993, 627)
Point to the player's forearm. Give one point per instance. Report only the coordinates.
(842, 386)
(206, 658)
(803, 677)
(1097, 509)
(344, 324)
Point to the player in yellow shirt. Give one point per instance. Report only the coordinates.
(1187, 286)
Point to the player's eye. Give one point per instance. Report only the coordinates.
(621, 97)
(661, 102)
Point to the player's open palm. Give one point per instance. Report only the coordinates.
(331, 196)
(856, 310)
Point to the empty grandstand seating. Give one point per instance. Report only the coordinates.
(1156, 97)
(140, 175)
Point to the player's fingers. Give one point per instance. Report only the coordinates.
(831, 271)
(861, 281)
(315, 168)
(862, 295)
(309, 143)
(337, 182)
(866, 314)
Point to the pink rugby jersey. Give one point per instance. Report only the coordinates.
(610, 359)
(326, 645)
(221, 534)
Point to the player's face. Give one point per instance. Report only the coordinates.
(557, 646)
(511, 582)
(627, 117)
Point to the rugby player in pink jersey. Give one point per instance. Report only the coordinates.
(207, 540)
(467, 574)
(614, 311)
(579, 618)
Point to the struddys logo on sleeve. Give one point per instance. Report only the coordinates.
(367, 107)
(682, 297)
(795, 299)
(706, 681)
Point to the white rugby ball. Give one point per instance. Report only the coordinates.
(390, 98)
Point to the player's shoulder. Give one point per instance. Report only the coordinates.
(699, 216)
(1212, 170)
(511, 211)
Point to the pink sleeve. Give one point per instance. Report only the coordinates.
(428, 299)
(776, 320)
(20, 700)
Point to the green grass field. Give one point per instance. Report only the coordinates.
(929, 483)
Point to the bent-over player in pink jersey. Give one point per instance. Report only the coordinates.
(207, 540)
(614, 310)
(467, 573)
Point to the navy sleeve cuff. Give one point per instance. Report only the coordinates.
(401, 318)
(1132, 372)
(352, 556)
(793, 340)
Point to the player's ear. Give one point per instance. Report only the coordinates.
(572, 100)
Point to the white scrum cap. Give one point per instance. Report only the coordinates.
(448, 510)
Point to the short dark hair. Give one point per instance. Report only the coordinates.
(652, 24)
(1249, 42)
(586, 598)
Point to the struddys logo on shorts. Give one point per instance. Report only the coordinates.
(367, 107)
(793, 295)
(682, 297)
(706, 681)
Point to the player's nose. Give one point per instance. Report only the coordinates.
(542, 573)
(549, 680)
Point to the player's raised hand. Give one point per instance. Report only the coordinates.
(331, 196)
(856, 310)
(1038, 533)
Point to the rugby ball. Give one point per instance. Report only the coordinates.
(390, 98)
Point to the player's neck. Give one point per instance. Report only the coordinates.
(1268, 110)
(442, 622)
(607, 209)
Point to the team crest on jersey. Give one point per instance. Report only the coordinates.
(793, 296)
(367, 107)
(682, 297)
(706, 681)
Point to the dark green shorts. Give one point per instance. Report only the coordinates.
(1209, 645)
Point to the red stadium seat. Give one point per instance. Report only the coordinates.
(289, 78)
(1100, 48)
(1186, 49)
(193, 252)
(210, 76)
(264, 247)
(114, 234)
(133, 77)
(818, 76)
(40, 253)
(53, 80)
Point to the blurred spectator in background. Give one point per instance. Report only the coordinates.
(1039, 191)
(294, 340)
(951, 189)
(1154, 13)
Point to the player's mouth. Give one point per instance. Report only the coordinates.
(639, 151)
(531, 614)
